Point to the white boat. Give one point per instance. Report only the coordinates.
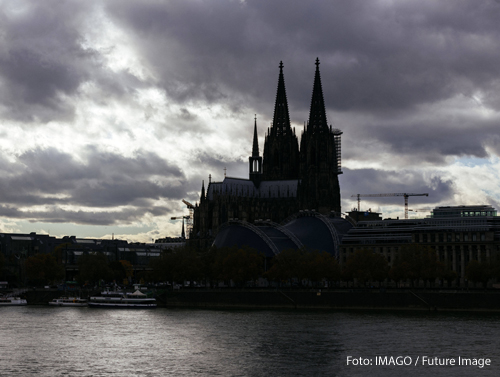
(12, 301)
(68, 301)
(110, 299)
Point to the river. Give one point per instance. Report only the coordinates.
(48, 341)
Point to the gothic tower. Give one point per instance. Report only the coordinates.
(255, 161)
(281, 148)
(307, 179)
(319, 157)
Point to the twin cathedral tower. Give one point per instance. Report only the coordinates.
(286, 179)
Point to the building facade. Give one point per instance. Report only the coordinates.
(15, 248)
(458, 235)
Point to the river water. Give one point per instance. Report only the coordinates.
(47, 341)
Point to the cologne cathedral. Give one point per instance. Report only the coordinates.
(285, 181)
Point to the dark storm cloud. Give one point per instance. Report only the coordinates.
(218, 162)
(41, 59)
(214, 167)
(52, 178)
(377, 55)
(370, 181)
(383, 58)
(45, 58)
(55, 214)
(426, 140)
(431, 142)
(397, 64)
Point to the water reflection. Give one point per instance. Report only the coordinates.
(46, 341)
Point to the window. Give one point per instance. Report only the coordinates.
(466, 237)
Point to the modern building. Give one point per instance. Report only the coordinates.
(16, 248)
(458, 234)
(309, 229)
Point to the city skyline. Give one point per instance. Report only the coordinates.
(113, 112)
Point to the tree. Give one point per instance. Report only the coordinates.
(321, 265)
(400, 270)
(179, 264)
(431, 267)
(162, 267)
(303, 264)
(208, 266)
(495, 264)
(118, 272)
(478, 272)
(2, 263)
(449, 275)
(365, 265)
(128, 267)
(239, 264)
(94, 267)
(287, 265)
(416, 262)
(61, 250)
(42, 269)
(187, 264)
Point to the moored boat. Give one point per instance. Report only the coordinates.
(12, 301)
(68, 301)
(122, 300)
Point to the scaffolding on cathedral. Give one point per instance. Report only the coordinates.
(189, 220)
(337, 135)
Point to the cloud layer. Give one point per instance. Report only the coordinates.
(112, 112)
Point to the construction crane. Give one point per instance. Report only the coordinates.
(406, 195)
(183, 235)
(189, 220)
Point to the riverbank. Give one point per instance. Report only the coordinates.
(370, 299)
(334, 300)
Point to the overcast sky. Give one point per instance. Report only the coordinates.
(112, 112)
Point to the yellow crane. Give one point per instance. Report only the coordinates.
(406, 195)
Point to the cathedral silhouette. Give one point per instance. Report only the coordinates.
(285, 181)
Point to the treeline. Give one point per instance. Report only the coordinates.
(413, 265)
(242, 265)
(185, 264)
(48, 269)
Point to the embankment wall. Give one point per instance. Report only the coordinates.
(335, 299)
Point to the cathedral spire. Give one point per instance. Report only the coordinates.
(281, 148)
(202, 196)
(317, 114)
(281, 118)
(255, 148)
(255, 161)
